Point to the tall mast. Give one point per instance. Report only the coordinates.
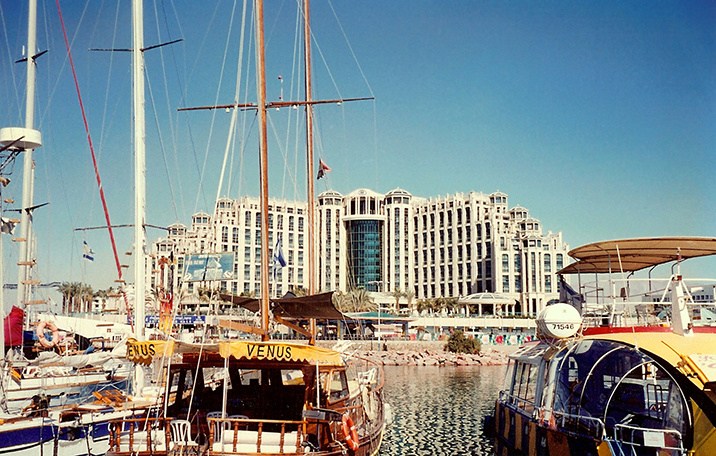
(311, 214)
(139, 175)
(28, 175)
(263, 164)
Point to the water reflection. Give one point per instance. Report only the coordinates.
(439, 410)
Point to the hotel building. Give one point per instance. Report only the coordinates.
(449, 246)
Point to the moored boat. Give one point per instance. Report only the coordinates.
(249, 397)
(252, 395)
(629, 374)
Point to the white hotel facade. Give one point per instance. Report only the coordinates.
(449, 246)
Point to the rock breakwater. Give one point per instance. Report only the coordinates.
(435, 358)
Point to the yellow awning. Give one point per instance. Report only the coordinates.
(280, 351)
(144, 352)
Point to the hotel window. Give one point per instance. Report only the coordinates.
(505, 263)
(506, 284)
(559, 261)
(548, 284)
(547, 262)
(533, 266)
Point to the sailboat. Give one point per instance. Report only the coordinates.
(261, 396)
(77, 428)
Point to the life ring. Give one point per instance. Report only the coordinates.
(41, 334)
(349, 430)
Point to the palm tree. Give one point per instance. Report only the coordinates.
(423, 305)
(397, 294)
(451, 304)
(74, 296)
(356, 300)
(66, 290)
(409, 295)
(362, 301)
(85, 295)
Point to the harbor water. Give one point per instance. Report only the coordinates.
(439, 410)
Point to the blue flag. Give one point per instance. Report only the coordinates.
(278, 259)
(88, 253)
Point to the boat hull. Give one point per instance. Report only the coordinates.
(519, 434)
(44, 436)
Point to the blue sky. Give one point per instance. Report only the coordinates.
(598, 117)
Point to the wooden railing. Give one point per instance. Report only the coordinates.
(245, 435)
(138, 435)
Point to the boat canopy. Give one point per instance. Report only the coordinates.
(318, 306)
(144, 352)
(631, 255)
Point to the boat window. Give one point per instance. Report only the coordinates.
(524, 385)
(619, 386)
(337, 386)
(214, 378)
(292, 377)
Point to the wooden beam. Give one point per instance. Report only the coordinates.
(235, 325)
(294, 326)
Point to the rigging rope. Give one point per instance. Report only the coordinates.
(91, 147)
(231, 136)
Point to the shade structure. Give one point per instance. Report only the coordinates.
(630, 255)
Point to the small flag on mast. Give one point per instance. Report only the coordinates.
(322, 169)
(88, 253)
(278, 258)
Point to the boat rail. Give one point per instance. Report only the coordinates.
(580, 424)
(568, 422)
(246, 435)
(647, 313)
(637, 436)
(519, 403)
(644, 301)
(139, 435)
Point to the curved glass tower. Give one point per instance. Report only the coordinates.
(364, 253)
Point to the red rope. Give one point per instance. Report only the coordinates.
(94, 157)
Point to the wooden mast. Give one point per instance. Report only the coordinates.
(263, 164)
(310, 191)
